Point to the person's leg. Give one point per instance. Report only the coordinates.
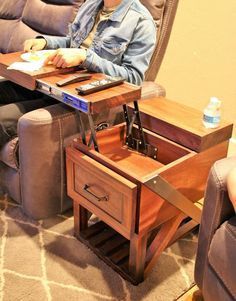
(11, 92)
(15, 101)
(9, 115)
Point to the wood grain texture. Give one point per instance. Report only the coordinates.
(137, 258)
(26, 79)
(174, 197)
(130, 163)
(161, 241)
(154, 211)
(120, 206)
(98, 101)
(49, 75)
(189, 176)
(80, 218)
(181, 124)
(167, 151)
(160, 216)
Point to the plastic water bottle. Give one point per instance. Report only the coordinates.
(212, 113)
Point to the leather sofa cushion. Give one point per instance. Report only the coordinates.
(11, 9)
(25, 19)
(156, 8)
(222, 255)
(47, 19)
(9, 153)
(9, 27)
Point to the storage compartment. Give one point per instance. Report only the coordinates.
(112, 145)
(151, 201)
(112, 172)
(104, 192)
(108, 180)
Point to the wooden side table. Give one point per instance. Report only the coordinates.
(45, 80)
(143, 185)
(143, 204)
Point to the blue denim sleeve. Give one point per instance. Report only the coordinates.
(54, 42)
(136, 57)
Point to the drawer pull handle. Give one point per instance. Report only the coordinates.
(99, 198)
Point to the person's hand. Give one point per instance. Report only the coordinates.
(34, 44)
(66, 57)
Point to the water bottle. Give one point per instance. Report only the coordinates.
(212, 113)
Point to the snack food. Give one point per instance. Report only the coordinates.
(36, 56)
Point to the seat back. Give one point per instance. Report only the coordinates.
(24, 19)
(163, 12)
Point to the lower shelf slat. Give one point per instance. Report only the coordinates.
(110, 246)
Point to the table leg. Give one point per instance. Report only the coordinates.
(80, 218)
(137, 255)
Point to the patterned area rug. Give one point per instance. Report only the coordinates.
(41, 260)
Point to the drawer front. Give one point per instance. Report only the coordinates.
(109, 192)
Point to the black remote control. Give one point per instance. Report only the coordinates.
(73, 79)
(99, 85)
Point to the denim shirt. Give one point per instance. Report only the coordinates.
(122, 45)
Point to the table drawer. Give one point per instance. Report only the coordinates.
(107, 194)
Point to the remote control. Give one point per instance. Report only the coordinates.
(99, 85)
(73, 79)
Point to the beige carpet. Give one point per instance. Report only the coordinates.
(43, 261)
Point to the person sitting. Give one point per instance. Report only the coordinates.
(114, 37)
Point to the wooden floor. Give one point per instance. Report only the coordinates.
(194, 294)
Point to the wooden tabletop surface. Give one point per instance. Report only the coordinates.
(49, 75)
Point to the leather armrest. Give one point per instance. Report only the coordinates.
(41, 158)
(231, 186)
(217, 208)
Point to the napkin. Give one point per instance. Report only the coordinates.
(26, 66)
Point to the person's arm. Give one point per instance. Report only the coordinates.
(44, 42)
(135, 60)
(136, 57)
(66, 57)
(53, 42)
(231, 186)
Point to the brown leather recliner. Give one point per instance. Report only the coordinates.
(215, 269)
(37, 178)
